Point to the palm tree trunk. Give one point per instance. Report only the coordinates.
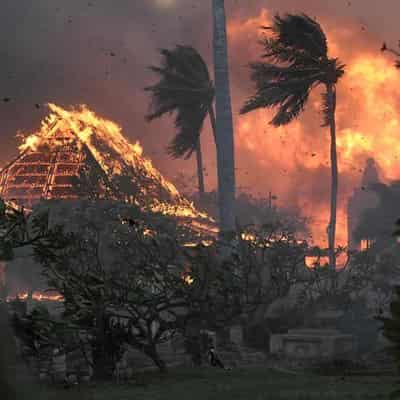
(211, 114)
(334, 176)
(100, 359)
(200, 172)
(224, 124)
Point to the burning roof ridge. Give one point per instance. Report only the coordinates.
(113, 152)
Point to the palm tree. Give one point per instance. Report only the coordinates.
(297, 52)
(224, 124)
(186, 89)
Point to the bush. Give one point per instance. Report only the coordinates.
(257, 336)
(391, 326)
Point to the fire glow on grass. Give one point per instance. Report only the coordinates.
(114, 153)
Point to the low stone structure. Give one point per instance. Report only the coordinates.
(313, 344)
(57, 367)
(236, 335)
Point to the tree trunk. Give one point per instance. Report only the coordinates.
(101, 362)
(331, 92)
(211, 114)
(200, 172)
(151, 352)
(224, 124)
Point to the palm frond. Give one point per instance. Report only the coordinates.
(185, 89)
(278, 52)
(298, 59)
(170, 76)
(284, 87)
(300, 32)
(291, 108)
(264, 72)
(188, 123)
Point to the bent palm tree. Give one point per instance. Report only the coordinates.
(298, 55)
(186, 89)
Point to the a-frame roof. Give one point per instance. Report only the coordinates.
(66, 141)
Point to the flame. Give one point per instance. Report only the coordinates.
(32, 142)
(188, 279)
(316, 261)
(248, 237)
(112, 151)
(37, 296)
(293, 161)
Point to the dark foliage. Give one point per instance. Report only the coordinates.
(39, 331)
(147, 287)
(391, 330)
(298, 55)
(256, 211)
(186, 89)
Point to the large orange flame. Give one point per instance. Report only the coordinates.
(115, 153)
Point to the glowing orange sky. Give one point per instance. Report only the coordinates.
(61, 54)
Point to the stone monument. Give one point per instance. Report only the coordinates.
(324, 342)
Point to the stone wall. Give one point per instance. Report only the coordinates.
(57, 366)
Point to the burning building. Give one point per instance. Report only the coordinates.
(72, 141)
(362, 199)
(75, 144)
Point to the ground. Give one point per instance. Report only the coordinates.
(210, 384)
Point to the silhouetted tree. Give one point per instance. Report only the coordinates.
(186, 89)
(131, 267)
(298, 62)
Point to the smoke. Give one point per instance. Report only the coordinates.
(96, 53)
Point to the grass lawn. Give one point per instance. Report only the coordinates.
(209, 384)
